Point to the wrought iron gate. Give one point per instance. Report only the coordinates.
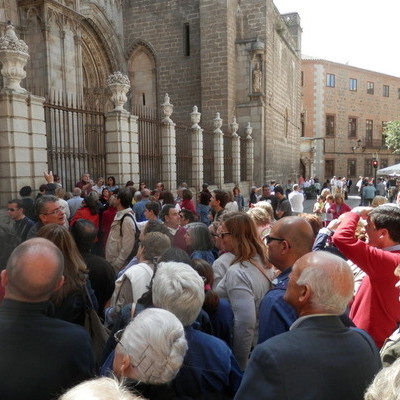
(75, 136)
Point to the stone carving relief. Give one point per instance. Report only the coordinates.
(257, 78)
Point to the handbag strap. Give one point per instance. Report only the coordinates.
(262, 270)
(87, 297)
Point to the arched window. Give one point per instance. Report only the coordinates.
(142, 74)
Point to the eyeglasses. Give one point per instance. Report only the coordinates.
(12, 209)
(269, 239)
(118, 337)
(57, 211)
(223, 234)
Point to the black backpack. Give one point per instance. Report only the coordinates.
(137, 234)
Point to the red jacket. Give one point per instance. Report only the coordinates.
(85, 213)
(376, 307)
(338, 210)
(188, 205)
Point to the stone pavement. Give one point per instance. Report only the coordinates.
(352, 201)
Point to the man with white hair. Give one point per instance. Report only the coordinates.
(209, 367)
(319, 358)
(55, 354)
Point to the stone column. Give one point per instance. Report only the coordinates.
(122, 146)
(235, 151)
(168, 145)
(218, 152)
(197, 149)
(23, 147)
(249, 154)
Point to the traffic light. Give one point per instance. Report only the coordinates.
(375, 164)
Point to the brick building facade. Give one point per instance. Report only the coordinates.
(344, 109)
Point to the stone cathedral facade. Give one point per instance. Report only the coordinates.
(238, 58)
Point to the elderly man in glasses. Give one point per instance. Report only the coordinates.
(48, 211)
(290, 238)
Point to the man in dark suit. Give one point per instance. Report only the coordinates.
(319, 358)
(40, 356)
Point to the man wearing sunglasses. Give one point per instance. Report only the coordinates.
(290, 238)
(21, 223)
(48, 211)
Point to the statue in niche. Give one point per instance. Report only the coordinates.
(257, 79)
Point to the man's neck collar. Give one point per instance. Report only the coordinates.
(299, 320)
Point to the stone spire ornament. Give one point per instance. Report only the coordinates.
(234, 127)
(217, 123)
(167, 109)
(13, 56)
(119, 85)
(249, 131)
(195, 118)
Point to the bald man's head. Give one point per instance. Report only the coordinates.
(320, 282)
(34, 271)
(298, 240)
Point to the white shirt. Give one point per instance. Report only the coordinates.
(296, 200)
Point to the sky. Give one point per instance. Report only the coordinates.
(360, 33)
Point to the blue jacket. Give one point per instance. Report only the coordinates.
(275, 315)
(318, 359)
(209, 367)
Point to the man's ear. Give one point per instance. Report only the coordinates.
(4, 278)
(285, 247)
(384, 233)
(305, 294)
(59, 284)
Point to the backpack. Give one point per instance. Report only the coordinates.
(137, 234)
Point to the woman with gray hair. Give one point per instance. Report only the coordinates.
(199, 241)
(210, 371)
(133, 283)
(150, 351)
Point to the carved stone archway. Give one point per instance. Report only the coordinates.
(96, 66)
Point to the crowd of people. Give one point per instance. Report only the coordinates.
(213, 296)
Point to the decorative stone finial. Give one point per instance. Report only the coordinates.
(119, 85)
(167, 109)
(11, 42)
(217, 123)
(118, 77)
(234, 127)
(14, 56)
(249, 131)
(195, 118)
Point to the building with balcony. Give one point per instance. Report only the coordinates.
(344, 111)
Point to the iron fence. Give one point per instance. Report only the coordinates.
(150, 157)
(183, 154)
(75, 137)
(228, 159)
(208, 157)
(243, 159)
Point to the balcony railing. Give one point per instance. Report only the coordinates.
(375, 144)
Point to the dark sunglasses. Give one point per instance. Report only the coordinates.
(269, 239)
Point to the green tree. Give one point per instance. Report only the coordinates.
(391, 131)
